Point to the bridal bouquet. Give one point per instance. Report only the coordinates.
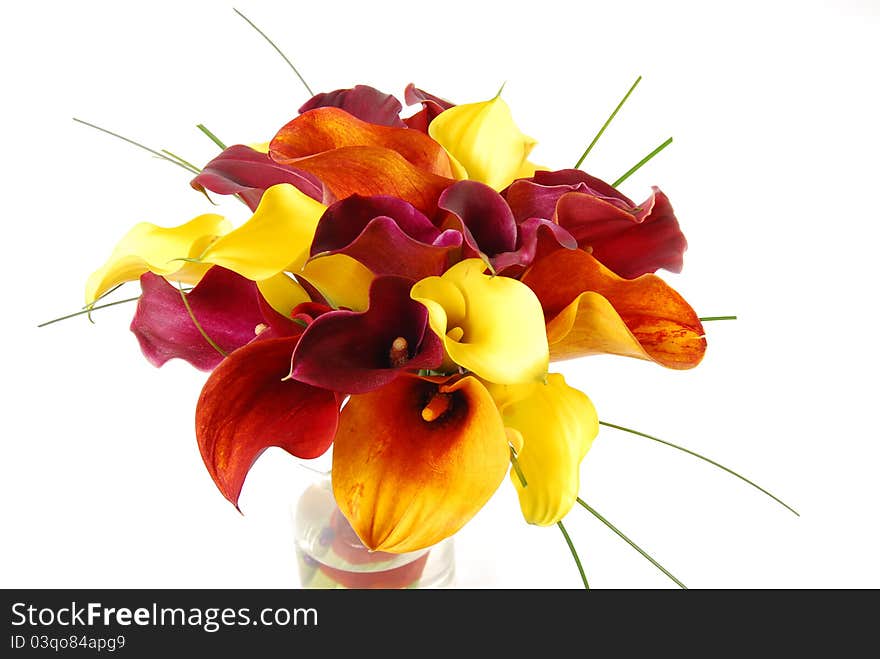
(401, 291)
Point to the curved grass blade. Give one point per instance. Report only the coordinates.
(198, 325)
(631, 543)
(641, 162)
(158, 154)
(607, 122)
(278, 50)
(574, 554)
(701, 457)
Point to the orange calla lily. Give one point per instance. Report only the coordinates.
(590, 310)
(373, 170)
(415, 460)
(328, 128)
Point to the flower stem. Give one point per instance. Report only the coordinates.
(701, 457)
(631, 543)
(158, 154)
(516, 468)
(278, 50)
(198, 325)
(641, 162)
(607, 122)
(707, 318)
(574, 554)
(211, 135)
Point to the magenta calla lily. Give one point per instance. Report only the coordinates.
(225, 305)
(387, 235)
(357, 352)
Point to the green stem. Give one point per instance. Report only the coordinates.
(103, 295)
(708, 318)
(701, 457)
(278, 50)
(198, 325)
(607, 121)
(574, 554)
(181, 160)
(89, 310)
(211, 135)
(158, 154)
(631, 543)
(641, 162)
(517, 468)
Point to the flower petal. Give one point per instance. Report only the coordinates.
(357, 352)
(328, 128)
(431, 107)
(246, 406)
(245, 171)
(387, 235)
(361, 101)
(631, 240)
(492, 326)
(483, 138)
(277, 236)
(150, 248)
(283, 293)
(341, 281)
(225, 305)
(558, 424)
(405, 483)
(590, 310)
(370, 170)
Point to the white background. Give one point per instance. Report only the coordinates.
(773, 175)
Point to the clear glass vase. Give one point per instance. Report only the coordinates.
(330, 555)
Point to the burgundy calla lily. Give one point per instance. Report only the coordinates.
(246, 172)
(630, 240)
(387, 235)
(357, 352)
(362, 101)
(431, 107)
(491, 230)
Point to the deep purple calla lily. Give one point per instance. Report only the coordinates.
(491, 231)
(356, 352)
(387, 235)
(630, 240)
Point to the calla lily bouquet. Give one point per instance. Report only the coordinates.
(400, 292)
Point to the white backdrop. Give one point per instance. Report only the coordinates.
(773, 174)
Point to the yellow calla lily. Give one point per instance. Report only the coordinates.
(151, 248)
(492, 326)
(558, 425)
(343, 281)
(282, 293)
(275, 239)
(483, 139)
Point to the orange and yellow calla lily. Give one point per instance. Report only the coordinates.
(415, 460)
(590, 310)
(492, 326)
